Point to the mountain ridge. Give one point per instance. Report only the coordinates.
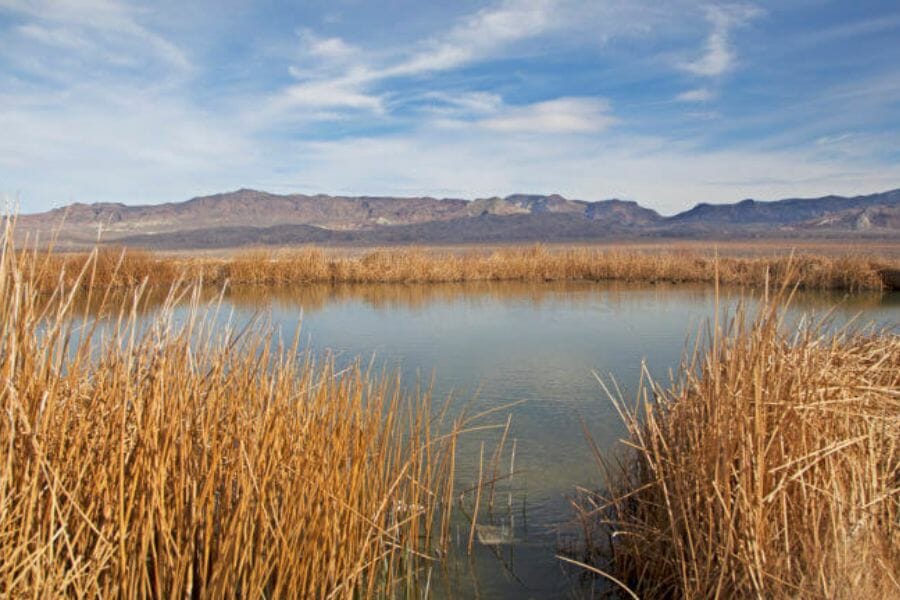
(246, 217)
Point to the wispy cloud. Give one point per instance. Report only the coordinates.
(119, 100)
(480, 36)
(94, 24)
(696, 95)
(128, 146)
(562, 115)
(59, 37)
(462, 104)
(94, 107)
(488, 112)
(719, 55)
(476, 163)
(349, 78)
(848, 30)
(334, 93)
(348, 85)
(329, 48)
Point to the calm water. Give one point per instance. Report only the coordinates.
(491, 344)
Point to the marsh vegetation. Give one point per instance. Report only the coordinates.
(179, 458)
(853, 271)
(153, 445)
(770, 467)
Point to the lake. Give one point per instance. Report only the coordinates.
(490, 344)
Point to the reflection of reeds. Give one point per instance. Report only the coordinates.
(770, 469)
(617, 296)
(175, 460)
(535, 263)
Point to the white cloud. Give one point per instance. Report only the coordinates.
(697, 95)
(324, 94)
(353, 73)
(200, 155)
(100, 112)
(719, 56)
(829, 140)
(562, 115)
(128, 146)
(488, 112)
(462, 104)
(55, 36)
(329, 48)
(346, 77)
(99, 33)
(480, 35)
(93, 134)
(477, 163)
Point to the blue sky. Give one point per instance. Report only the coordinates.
(667, 103)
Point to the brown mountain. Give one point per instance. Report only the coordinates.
(793, 212)
(250, 217)
(870, 218)
(486, 228)
(244, 207)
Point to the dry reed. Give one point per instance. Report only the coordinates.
(770, 469)
(180, 458)
(535, 263)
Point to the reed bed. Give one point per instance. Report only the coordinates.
(535, 263)
(180, 458)
(769, 469)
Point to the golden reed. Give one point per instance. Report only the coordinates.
(180, 458)
(417, 265)
(770, 469)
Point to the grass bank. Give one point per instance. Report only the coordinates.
(770, 468)
(533, 263)
(182, 459)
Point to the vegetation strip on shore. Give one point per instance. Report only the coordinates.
(850, 272)
(770, 468)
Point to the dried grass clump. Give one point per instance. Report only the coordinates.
(529, 263)
(181, 458)
(770, 469)
(118, 267)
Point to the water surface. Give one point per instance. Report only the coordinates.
(490, 344)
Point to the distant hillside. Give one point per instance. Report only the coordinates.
(249, 217)
(487, 228)
(782, 213)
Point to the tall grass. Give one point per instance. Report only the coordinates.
(770, 468)
(535, 263)
(182, 458)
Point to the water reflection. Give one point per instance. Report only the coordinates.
(417, 297)
(315, 297)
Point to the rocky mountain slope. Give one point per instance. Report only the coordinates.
(249, 217)
(794, 212)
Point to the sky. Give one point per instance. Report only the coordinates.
(666, 103)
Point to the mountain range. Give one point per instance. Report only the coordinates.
(249, 218)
